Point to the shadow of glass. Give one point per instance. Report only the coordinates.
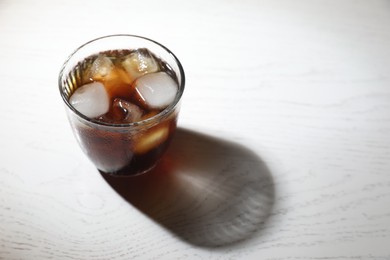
(207, 191)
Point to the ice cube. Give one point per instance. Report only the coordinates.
(149, 114)
(156, 90)
(151, 139)
(116, 80)
(118, 84)
(101, 67)
(90, 100)
(139, 63)
(126, 112)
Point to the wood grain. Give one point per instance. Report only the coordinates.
(283, 148)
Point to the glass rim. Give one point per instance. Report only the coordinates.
(146, 121)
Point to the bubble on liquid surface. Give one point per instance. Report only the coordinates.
(90, 100)
(156, 90)
(139, 63)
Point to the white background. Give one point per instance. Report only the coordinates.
(283, 148)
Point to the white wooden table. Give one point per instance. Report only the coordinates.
(283, 147)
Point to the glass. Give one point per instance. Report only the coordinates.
(127, 148)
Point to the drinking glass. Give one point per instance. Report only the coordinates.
(128, 148)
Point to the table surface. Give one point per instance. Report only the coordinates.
(282, 151)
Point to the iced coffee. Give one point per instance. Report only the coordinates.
(123, 103)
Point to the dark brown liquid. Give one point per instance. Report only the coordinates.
(108, 150)
(112, 149)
